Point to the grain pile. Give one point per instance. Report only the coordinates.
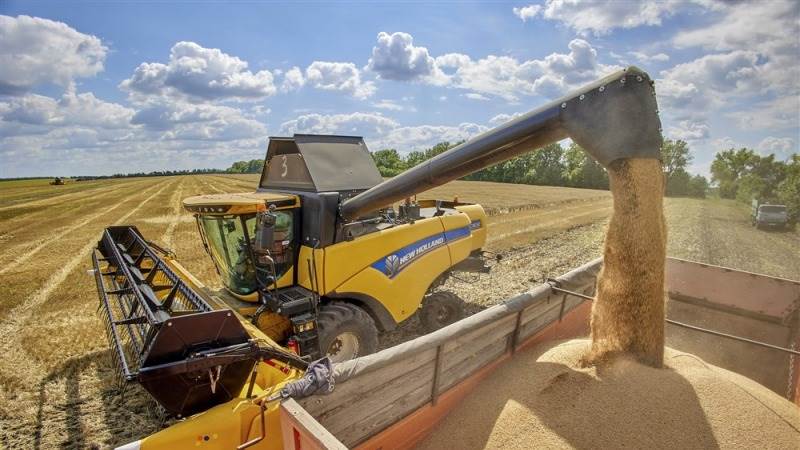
(628, 313)
(543, 398)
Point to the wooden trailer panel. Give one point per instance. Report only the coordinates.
(420, 378)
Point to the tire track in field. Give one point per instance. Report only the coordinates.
(77, 196)
(237, 182)
(35, 215)
(526, 214)
(177, 201)
(47, 241)
(214, 187)
(15, 320)
(549, 223)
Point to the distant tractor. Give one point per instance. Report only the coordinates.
(57, 181)
(765, 215)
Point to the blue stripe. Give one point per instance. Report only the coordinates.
(394, 263)
(458, 233)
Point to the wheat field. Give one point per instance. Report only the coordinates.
(57, 386)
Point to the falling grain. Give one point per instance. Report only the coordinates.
(628, 313)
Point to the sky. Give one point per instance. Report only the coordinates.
(96, 88)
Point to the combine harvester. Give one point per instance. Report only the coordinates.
(316, 262)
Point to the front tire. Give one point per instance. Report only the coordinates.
(440, 309)
(345, 332)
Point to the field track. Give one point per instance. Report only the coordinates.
(57, 388)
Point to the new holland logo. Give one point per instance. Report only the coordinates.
(392, 265)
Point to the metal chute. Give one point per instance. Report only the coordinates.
(612, 118)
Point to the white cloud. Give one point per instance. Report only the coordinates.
(424, 136)
(381, 131)
(768, 29)
(507, 77)
(358, 123)
(187, 121)
(780, 113)
(392, 105)
(37, 113)
(36, 50)
(688, 131)
(765, 26)
(293, 79)
(476, 96)
(195, 73)
(647, 59)
(602, 16)
(503, 118)
(395, 57)
(339, 76)
(527, 12)
(711, 80)
(781, 147)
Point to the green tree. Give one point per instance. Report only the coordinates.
(252, 166)
(788, 191)
(698, 186)
(728, 167)
(580, 170)
(675, 155)
(546, 166)
(414, 158)
(389, 162)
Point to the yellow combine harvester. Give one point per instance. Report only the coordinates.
(300, 273)
(317, 261)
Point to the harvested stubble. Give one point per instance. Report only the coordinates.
(543, 398)
(628, 313)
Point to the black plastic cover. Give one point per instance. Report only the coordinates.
(333, 163)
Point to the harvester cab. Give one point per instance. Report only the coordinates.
(324, 285)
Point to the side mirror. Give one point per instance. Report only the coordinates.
(265, 231)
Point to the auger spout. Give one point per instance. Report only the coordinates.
(612, 118)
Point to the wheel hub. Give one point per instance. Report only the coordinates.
(344, 347)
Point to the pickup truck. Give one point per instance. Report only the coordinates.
(765, 215)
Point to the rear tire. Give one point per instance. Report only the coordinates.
(440, 309)
(345, 332)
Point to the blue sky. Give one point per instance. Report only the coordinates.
(101, 88)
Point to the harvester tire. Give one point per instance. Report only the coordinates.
(346, 331)
(440, 309)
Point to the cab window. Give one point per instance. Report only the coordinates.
(226, 242)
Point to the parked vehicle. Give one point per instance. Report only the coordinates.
(765, 215)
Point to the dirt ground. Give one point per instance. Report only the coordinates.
(57, 388)
(711, 231)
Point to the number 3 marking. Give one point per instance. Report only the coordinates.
(285, 167)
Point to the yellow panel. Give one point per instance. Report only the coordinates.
(227, 425)
(402, 294)
(346, 259)
(459, 239)
(476, 213)
(304, 260)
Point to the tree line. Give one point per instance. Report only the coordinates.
(738, 174)
(155, 173)
(744, 175)
(555, 165)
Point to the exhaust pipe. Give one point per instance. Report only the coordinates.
(613, 118)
